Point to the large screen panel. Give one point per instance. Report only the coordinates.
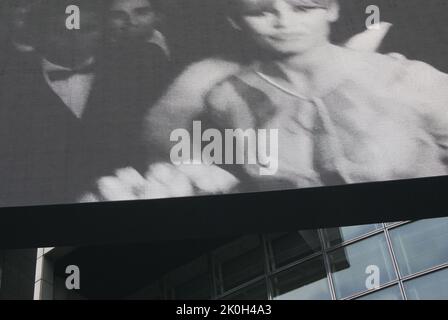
(126, 102)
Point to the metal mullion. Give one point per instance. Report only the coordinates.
(398, 224)
(241, 286)
(395, 263)
(425, 272)
(355, 240)
(296, 263)
(367, 292)
(211, 266)
(268, 260)
(327, 264)
(217, 275)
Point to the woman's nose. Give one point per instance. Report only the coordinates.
(133, 21)
(130, 20)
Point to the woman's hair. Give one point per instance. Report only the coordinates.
(235, 7)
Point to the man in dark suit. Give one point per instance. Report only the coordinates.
(14, 35)
(74, 113)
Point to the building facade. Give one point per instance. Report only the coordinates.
(387, 261)
(17, 269)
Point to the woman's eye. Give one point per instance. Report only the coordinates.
(256, 13)
(143, 11)
(301, 9)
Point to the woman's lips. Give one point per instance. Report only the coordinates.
(286, 36)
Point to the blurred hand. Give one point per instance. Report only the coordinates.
(162, 180)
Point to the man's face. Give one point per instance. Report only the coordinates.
(286, 26)
(18, 15)
(64, 45)
(132, 19)
(15, 16)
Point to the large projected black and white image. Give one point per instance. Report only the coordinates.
(147, 99)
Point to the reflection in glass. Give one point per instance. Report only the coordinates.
(349, 265)
(290, 247)
(335, 236)
(433, 286)
(391, 293)
(239, 262)
(303, 282)
(421, 245)
(253, 292)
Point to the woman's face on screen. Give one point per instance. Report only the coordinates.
(287, 27)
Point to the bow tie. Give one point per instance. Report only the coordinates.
(60, 75)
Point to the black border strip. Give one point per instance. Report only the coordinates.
(224, 215)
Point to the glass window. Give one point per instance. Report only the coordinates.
(239, 262)
(433, 286)
(349, 265)
(335, 236)
(290, 247)
(306, 281)
(421, 245)
(391, 293)
(253, 292)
